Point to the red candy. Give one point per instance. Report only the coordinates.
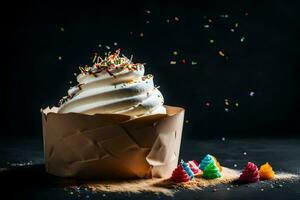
(193, 164)
(250, 173)
(179, 175)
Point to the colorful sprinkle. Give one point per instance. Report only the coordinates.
(221, 53)
(141, 34)
(176, 19)
(251, 93)
(183, 61)
(62, 29)
(242, 39)
(172, 62)
(59, 58)
(175, 53)
(211, 41)
(194, 63)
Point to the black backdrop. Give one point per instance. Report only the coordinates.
(37, 34)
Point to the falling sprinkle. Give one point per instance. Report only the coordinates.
(70, 82)
(186, 121)
(226, 110)
(232, 30)
(207, 104)
(226, 102)
(251, 94)
(75, 74)
(175, 53)
(62, 29)
(194, 63)
(209, 20)
(245, 153)
(115, 43)
(176, 19)
(167, 20)
(130, 33)
(103, 195)
(235, 165)
(148, 11)
(107, 47)
(211, 41)
(183, 61)
(172, 62)
(206, 26)
(223, 139)
(224, 16)
(242, 39)
(141, 34)
(221, 53)
(236, 104)
(59, 58)
(99, 45)
(147, 22)
(228, 188)
(262, 189)
(246, 14)
(236, 25)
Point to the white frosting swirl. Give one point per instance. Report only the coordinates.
(120, 91)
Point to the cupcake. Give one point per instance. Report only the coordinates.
(112, 124)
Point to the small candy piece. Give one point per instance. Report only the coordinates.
(266, 172)
(250, 173)
(179, 175)
(211, 171)
(206, 161)
(187, 169)
(217, 163)
(193, 164)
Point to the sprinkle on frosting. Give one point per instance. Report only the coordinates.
(266, 172)
(110, 63)
(250, 173)
(211, 171)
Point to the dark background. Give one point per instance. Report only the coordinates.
(36, 34)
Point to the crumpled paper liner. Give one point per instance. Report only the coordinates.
(111, 145)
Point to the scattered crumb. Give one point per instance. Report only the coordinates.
(167, 187)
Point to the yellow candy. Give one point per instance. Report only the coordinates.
(217, 163)
(266, 172)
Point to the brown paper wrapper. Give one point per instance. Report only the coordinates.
(111, 145)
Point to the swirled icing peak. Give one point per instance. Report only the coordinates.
(206, 161)
(250, 173)
(179, 175)
(194, 166)
(113, 84)
(211, 171)
(266, 172)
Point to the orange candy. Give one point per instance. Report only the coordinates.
(217, 163)
(266, 172)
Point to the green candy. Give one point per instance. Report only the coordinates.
(211, 171)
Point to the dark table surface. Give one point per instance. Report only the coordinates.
(22, 173)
